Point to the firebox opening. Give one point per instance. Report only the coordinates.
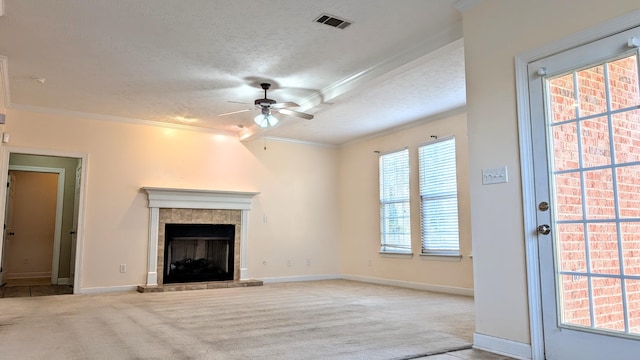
(198, 252)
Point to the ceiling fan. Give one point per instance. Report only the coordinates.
(265, 119)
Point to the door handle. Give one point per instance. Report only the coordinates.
(544, 229)
(11, 233)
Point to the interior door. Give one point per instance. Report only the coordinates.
(31, 225)
(585, 118)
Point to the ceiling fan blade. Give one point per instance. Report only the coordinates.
(284, 105)
(234, 112)
(296, 113)
(239, 102)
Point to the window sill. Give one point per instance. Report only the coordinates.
(441, 257)
(396, 255)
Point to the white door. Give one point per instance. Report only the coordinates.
(585, 119)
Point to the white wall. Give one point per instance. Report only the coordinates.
(298, 186)
(495, 31)
(360, 211)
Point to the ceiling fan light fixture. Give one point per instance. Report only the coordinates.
(266, 120)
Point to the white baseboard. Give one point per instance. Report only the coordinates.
(64, 281)
(501, 346)
(411, 285)
(299, 278)
(108, 289)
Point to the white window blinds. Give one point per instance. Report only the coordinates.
(439, 197)
(395, 227)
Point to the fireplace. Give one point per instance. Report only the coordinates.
(198, 252)
(224, 212)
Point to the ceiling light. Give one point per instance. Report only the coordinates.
(265, 120)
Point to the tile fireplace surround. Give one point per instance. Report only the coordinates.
(190, 206)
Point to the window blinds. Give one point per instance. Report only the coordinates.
(395, 226)
(439, 197)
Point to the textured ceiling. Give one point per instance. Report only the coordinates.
(183, 61)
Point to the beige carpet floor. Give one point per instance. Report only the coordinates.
(334, 319)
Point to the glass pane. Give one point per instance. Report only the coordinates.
(623, 83)
(575, 300)
(628, 182)
(603, 248)
(571, 247)
(395, 218)
(626, 134)
(568, 196)
(633, 305)
(591, 91)
(631, 247)
(607, 303)
(595, 142)
(599, 194)
(563, 98)
(565, 147)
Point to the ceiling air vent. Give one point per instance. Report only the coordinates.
(333, 21)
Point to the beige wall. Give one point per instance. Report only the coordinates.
(360, 210)
(298, 185)
(495, 31)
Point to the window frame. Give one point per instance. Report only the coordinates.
(387, 247)
(435, 251)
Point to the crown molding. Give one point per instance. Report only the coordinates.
(92, 116)
(4, 82)
(302, 142)
(464, 5)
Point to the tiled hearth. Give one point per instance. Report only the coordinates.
(187, 206)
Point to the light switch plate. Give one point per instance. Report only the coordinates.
(495, 176)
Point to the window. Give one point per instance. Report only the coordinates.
(439, 197)
(395, 226)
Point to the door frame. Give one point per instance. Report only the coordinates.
(6, 151)
(55, 262)
(594, 33)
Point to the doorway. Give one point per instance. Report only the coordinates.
(581, 164)
(52, 187)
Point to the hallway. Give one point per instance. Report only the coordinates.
(32, 287)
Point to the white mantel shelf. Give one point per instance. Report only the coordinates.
(167, 198)
(198, 199)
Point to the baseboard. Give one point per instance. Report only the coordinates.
(501, 346)
(412, 285)
(64, 281)
(108, 289)
(29, 275)
(299, 278)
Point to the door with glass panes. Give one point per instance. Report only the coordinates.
(585, 119)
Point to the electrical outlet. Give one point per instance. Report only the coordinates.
(494, 176)
(123, 268)
(308, 262)
(288, 262)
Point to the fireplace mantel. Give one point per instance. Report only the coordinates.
(168, 198)
(198, 199)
